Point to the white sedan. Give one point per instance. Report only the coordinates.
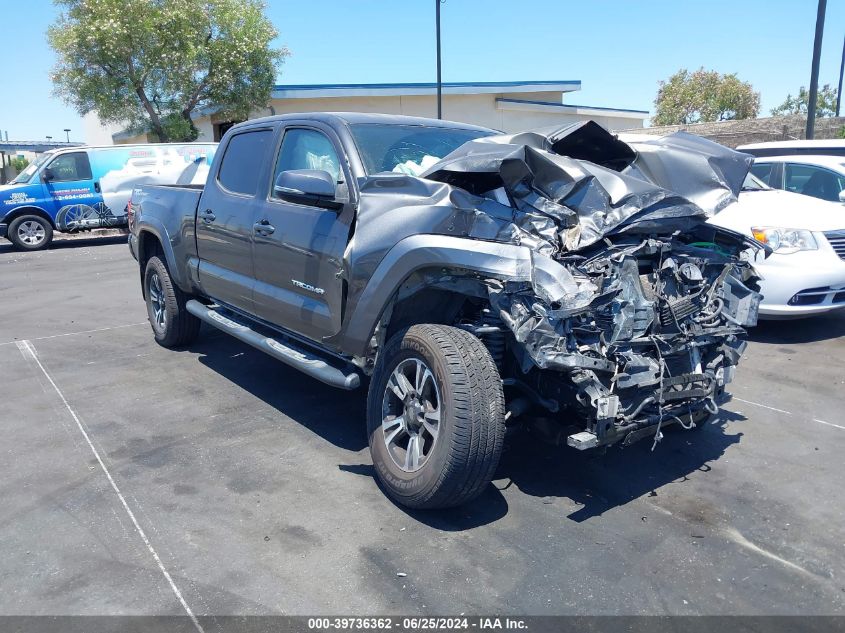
(805, 275)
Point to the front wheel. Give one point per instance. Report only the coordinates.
(30, 232)
(172, 324)
(435, 417)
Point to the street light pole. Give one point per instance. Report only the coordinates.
(439, 79)
(814, 71)
(67, 133)
(841, 69)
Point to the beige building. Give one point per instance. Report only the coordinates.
(510, 106)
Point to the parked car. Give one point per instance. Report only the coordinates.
(85, 188)
(558, 273)
(805, 274)
(814, 147)
(817, 176)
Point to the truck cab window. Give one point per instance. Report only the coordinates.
(307, 149)
(241, 166)
(69, 167)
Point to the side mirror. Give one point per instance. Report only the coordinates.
(307, 186)
(47, 174)
(842, 196)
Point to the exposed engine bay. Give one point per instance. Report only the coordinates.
(655, 338)
(642, 321)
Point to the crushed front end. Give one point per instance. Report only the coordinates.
(651, 337)
(636, 313)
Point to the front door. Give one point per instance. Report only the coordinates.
(298, 254)
(224, 218)
(75, 196)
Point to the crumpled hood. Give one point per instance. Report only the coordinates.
(519, 189)
(577, 184)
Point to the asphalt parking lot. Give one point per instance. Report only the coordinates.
(138, 480)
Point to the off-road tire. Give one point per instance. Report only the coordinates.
(466, 452)
(16, 224)
(180, 327)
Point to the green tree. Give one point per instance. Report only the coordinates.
(825, 103)
(19, 163)
(151, 64)
(704, 95)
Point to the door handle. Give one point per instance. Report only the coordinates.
(208, 216)
(263, 227)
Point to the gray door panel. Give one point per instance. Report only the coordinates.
(298, 269)
(225, 218)
(299, 266)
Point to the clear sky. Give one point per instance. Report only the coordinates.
(618, 49)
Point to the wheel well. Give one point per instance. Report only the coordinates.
(148, 246)
(427, 305)
(434, 296)
(12, 215)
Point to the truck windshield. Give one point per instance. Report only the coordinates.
(407, 149)
(30, 170)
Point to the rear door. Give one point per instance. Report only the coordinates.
(75, 196)
(225, 217)
(298, 246)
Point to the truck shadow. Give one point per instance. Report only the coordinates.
(599, 482)
(333, 414)
(793, 331)
(595, 483)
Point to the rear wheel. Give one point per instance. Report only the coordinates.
(172, 324)
(30, 232)
(435, 417)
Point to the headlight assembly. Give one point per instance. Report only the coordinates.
(785, 241)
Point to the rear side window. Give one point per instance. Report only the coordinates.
(68, 167)
(241, 166)
(763, 171)
(814, 181)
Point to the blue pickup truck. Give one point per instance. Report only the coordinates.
(85, 188)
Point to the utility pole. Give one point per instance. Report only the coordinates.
(814, 71)
(841, 69)
(439, 78)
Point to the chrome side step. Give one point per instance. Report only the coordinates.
(305, 361)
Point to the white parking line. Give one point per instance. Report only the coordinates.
(765, 406)
(829, 424)
(28, 351)
(99, 329)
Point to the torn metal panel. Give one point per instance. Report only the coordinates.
(603, 186)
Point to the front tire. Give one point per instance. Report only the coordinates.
(30, 232)
(173, 325)
(435, 417)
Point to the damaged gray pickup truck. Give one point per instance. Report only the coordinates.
(477, 281)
